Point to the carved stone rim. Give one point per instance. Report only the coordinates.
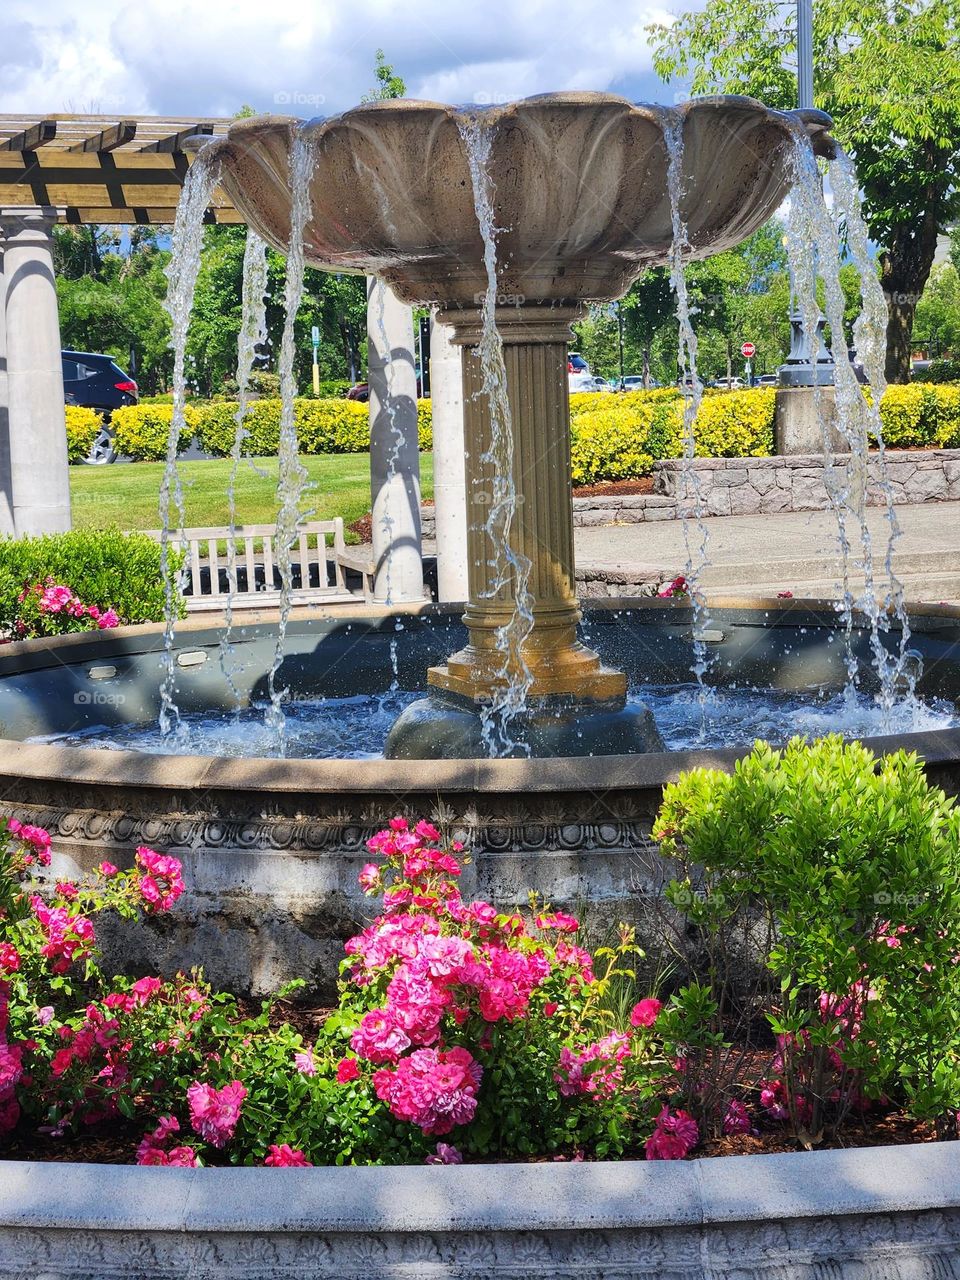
(599, 1196)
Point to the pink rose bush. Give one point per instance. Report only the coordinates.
(50, 608)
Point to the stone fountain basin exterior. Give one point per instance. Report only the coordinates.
(271, 849)
(882, 1213)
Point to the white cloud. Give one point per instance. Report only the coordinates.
(183, 57)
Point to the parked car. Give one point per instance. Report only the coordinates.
(730, 384)
(768, 380)
(631, 382)
(96, 381)
(580, 381)
(576, 363)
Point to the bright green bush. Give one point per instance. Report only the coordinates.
(849, 867)
(921, 414)
(83, 427)
(104, 567)
(939, 371)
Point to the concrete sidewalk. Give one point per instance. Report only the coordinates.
(793, 551)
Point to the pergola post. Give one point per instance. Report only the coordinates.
(394, 448)
(449, 463)
(36, 430)
(7, 528)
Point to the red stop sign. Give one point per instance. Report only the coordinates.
(748, 350)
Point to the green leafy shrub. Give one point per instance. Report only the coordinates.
(939, 371)
(83, 427)
(921, 414)
(103, 567)
(849, 867)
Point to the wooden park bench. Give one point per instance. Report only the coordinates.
(319, 556)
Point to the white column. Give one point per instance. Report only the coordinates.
(6, 490)
(38, 437)
(449, 463)
(394, 451)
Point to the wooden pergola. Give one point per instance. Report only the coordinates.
(103, 169)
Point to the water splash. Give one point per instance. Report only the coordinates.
(202, 177)
(511, 568)
(292, 474)
(870, 340)
(253, 329)
(690, 490)
(813, 242)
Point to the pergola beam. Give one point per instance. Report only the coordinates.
(38, 135)
(118, 135)
(174, 142)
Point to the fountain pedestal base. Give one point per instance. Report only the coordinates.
(446, 726)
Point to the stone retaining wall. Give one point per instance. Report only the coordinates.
(751, 486)
(891, 1212)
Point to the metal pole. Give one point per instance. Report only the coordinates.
(804, 53)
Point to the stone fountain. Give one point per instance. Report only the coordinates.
(581, 205)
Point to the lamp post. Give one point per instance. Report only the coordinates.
(798, 370)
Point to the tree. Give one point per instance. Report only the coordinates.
(888, 71)
(937, 327)
(389, 84)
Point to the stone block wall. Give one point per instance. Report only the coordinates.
(754, 486)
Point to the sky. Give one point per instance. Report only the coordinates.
(178, 58)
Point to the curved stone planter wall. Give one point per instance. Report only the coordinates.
(886, 1213)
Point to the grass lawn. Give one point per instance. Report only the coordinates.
(127, 494)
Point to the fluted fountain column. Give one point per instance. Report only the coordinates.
(535, 356)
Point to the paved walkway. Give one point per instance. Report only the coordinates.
(789, 551)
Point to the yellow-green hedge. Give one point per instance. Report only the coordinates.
(613, 437)
(83, 426)
(620, 437)
(921, 414)
(323, 426)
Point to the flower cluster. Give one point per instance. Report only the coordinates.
(50, 607)
(214, 1112)
(434, 1090)
(68, 936)
(678, 586)
(674, 1136)
(154, 1149)
(596, 1069)
(161, 883)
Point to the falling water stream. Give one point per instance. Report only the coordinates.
(814, 247)
(292, 474)
(187, 242)
(511, 568)
(690, 487)
(253, 329)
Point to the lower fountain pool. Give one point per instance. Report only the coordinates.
(355, 728)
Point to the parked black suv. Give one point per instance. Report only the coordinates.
(97, 382)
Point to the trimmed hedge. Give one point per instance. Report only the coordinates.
(622, 437)
(104, 567)
(612, 436)
(83, 427)
(323, 426)
(939, 371)
(921, 414)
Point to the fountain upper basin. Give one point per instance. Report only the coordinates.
(579, 183)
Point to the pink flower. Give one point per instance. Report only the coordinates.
(673, 1137)
(9, 958)
(597, 1068)
(66, 889)
(107, 869)
(434, 1090)
(737, 1118)
(646, 1012)
(784, 595)
(145, 988)
(108, 620)
(286, 1157)
(45, 1015)
(444, 1154)
(161, 882)
(379, 1038)
(304, 1063)
(557, 920)
(214, 1112)
(427, 831)
(369, 877)
(347, 1069)
(677, 587)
